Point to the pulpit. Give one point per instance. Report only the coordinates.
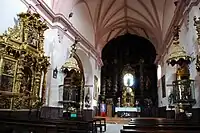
(23, 65)
(72, 88)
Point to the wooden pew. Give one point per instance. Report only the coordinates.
(155, 131)
(160, 126)
(42, 126)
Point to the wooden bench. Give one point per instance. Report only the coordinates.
(160, 126)
(45, 126)
(155, 131)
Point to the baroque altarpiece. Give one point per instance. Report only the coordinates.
(23, 65)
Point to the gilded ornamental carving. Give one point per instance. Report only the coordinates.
(23, 65)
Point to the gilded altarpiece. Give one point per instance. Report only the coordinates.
(128, 92)
(23, 65)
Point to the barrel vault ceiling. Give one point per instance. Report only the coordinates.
(101, 20)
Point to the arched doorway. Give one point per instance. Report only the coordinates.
(133, 55)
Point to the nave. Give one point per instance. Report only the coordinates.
(73, 66)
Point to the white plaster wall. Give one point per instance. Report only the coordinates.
(81, 19)
(97, 73)
(90, 70)
(168, 71)
(188, 41)
(8, 11)
(49, 3)
(58, 50)
(57, 46)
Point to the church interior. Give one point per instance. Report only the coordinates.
(113, 66)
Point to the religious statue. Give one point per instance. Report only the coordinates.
(88, 99)
(118, 102)
(128, 93)
(108, 84)
(128, 79)
(128, 97)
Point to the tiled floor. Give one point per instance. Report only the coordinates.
(114, 128)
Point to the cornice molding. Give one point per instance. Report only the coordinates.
(61, 19)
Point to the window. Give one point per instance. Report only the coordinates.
(159, 72)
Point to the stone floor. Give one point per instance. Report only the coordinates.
(114, 128)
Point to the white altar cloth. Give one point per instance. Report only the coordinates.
(127, 109)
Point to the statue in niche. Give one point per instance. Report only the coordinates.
(128, 97)
(88, 99)
(26, 81)
(128, 80)
(128, 93)
(32, 38)
(147, 83)
(109, 84)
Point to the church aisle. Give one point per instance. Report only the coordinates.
(114, 128)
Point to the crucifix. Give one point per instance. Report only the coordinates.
(141, 71)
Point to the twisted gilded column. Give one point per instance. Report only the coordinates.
(19, 75)
(43, 98)
(16, 102)
(37, 83)
(197, 25)
(115, 86)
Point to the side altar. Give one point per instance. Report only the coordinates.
(23, 65)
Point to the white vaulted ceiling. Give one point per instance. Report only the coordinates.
(101, 20)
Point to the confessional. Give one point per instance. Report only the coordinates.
(23, 65)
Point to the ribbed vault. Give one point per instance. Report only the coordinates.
(111, 18)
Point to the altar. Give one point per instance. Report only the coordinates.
(127, 111)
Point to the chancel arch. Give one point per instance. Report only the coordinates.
(129, 75)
